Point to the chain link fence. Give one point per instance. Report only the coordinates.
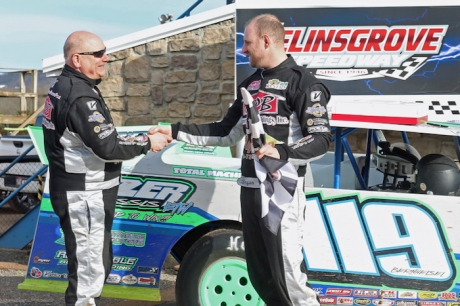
(29, 196)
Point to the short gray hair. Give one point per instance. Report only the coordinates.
(270, 25)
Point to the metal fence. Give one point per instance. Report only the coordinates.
(21, 185)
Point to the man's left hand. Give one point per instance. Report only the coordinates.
(269, 150)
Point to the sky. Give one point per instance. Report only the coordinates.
(31, 30)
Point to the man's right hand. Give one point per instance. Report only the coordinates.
(158, 141)
(164, 129)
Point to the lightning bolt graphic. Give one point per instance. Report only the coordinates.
(450, 53)
(241, 58)
(368, 84)
(391, 22)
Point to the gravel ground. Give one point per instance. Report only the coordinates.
(13, 265)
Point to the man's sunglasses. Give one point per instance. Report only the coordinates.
(99, 53)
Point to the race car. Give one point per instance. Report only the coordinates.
(184, 201)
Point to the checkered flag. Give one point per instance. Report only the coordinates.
(254, 127)
(278, 177)
(409, 68)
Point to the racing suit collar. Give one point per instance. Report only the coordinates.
(69, 71)
(289, 62)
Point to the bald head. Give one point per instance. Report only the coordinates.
(80, 41)
(264, 41)
(85, 52)
(268, 24)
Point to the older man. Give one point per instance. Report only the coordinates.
(85, 153)
(292, 106)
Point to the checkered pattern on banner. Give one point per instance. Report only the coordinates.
(442, 108)
(276, 193)
(410, 66)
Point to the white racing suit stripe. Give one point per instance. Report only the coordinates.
(292, 231)
(86, 219)
(86, 211)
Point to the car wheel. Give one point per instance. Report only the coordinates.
(23, 202)
(213, 272)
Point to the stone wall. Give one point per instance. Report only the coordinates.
(187, 77)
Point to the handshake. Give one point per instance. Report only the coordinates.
(160, 137)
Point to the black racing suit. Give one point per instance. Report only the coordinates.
(84, 152)
(292, 106)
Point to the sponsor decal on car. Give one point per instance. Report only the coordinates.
(362, 301)
(150, 281)
(407, 294)
(195, 149)
(177, 208)
(206, 173)
(129, 279)
(366, 292)
(61, 256)
(156, 199)
(431, 303)
(41, 260)
(344, 301)
(384, 302)
(448, 296)
(427, 295)
(132, 239)
(53, 274)
(35, 272)
(388, 294)
(147, 270)
(338, 291)
(113, 279)
(406, 303)
(324, 300)
(318, 290)
(124, 263)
